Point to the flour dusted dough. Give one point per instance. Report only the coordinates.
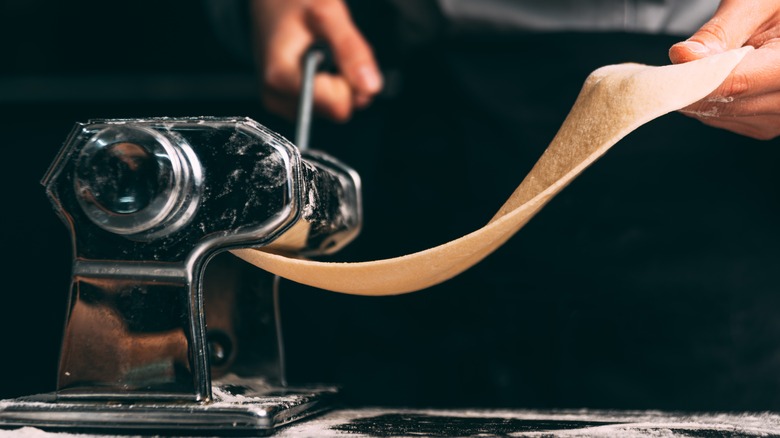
(614, 101)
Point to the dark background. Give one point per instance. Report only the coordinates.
(650, 283)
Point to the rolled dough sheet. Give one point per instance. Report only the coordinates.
(614, 101)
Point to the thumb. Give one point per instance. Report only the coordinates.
(733, 24)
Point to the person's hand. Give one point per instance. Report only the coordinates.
(748, 102)
(285, 29)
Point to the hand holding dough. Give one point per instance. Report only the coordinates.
(614, 101)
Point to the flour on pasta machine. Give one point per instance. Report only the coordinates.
(165, 329)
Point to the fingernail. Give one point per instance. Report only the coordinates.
(695, 47)
(371, 78)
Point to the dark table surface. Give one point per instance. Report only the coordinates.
(383, 422)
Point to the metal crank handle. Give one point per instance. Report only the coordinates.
(317, 57)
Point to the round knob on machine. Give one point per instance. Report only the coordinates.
(137, 182)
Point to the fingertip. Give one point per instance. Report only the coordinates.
(370, 79)
(361, 101)
(333, 97)
(686, 51)
(339, 113)
(281, 72)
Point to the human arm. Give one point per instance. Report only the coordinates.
(748, 102)
(285, 29)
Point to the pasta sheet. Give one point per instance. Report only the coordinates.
(614, 101)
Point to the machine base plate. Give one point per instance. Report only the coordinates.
(237, 409)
